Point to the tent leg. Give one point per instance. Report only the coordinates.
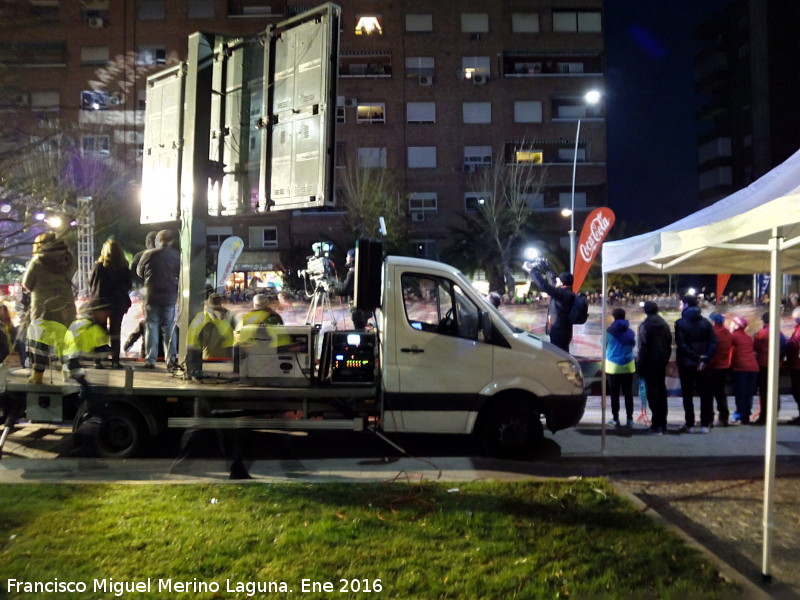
(772, 399)
(603, 365)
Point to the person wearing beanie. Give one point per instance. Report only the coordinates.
(761, 348)
(719, 366)
(744, 370)
(695, 344)
(653, 351)
(793, 360)
(557, 325)
(620, 365)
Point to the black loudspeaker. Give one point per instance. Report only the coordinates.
(369, 261)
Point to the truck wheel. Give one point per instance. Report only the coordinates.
(510, 431)
(121, 433)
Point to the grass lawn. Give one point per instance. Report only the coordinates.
(553, 539)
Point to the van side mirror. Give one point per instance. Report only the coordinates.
(485, 326)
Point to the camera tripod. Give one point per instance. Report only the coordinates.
(320, 300)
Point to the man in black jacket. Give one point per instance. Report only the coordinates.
(160, 269)
(695, 343)
(561, 295)
(654, 349)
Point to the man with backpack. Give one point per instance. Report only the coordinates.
(558, 325)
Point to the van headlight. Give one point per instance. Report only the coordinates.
(572, 371)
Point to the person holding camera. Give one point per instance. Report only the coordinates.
(347, 288)
(557, 326)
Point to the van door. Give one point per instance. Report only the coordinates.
(442, 362)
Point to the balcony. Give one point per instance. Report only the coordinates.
(365, 64)
(526, 63)
(41, 54)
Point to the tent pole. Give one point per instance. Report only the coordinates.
(772, 399)
(603, 365)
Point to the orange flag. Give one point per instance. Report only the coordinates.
(722, 281)
(595, 230)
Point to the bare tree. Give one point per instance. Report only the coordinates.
(502, 215)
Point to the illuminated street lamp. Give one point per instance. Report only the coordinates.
(592, 97)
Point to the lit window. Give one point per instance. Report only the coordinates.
(368, 25)
(370, 113)
(530, 156)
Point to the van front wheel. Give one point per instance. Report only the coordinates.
(510, 431)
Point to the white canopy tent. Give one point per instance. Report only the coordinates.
(755, 230)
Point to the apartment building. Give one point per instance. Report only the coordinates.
(433, 92)
(749, 73)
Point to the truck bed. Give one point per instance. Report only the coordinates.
(218, 380)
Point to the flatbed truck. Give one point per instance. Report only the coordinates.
(438, 360)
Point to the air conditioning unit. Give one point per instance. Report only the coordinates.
(417, 216)
(351, 102)
(475, 37)
(479, 79)
(426, 80)
(19, 100)
(467, 168)
(96, 22)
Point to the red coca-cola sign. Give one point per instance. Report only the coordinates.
(594, 232)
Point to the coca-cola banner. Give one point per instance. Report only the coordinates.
(595, 230)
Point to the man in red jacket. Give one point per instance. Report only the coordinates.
(793, 360)
(761, 348)
(744, 370)
(719, 365)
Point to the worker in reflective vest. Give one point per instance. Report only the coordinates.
(212, 330)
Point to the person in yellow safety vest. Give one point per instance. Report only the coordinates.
(212, 330)
(256, 320)
(45, 339)
(87, 337)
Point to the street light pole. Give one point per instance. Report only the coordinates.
(591, 97)
(572, 232)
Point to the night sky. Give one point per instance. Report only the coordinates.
(651, 107)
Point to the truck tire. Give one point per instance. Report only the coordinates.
(121, 433)
(509, 430)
